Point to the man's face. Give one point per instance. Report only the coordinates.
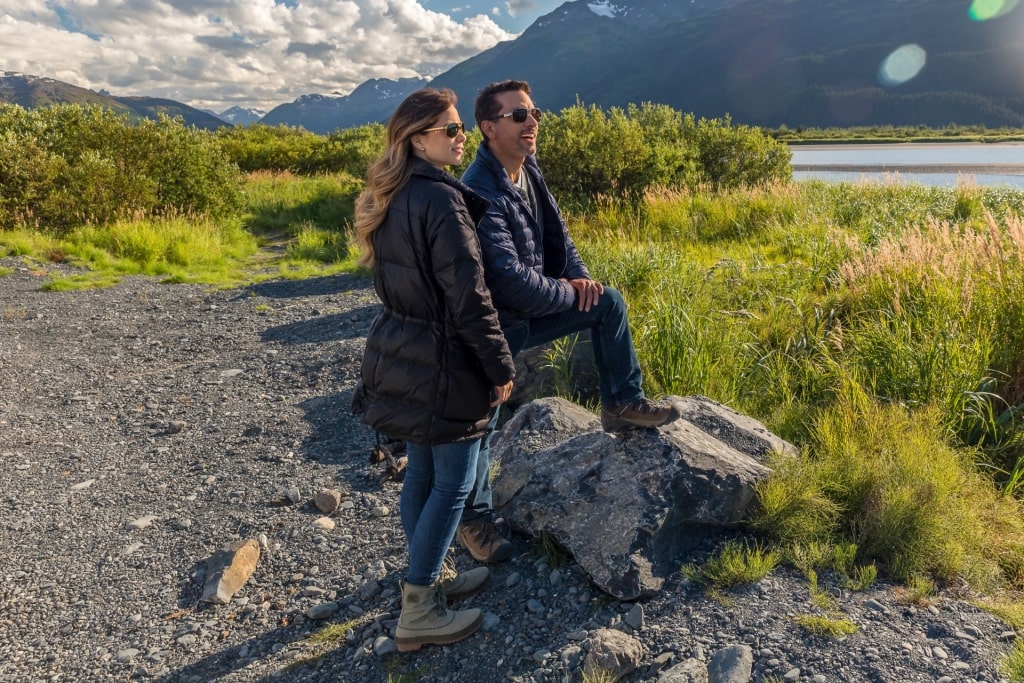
(507, 139)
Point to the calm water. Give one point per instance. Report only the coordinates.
(939, 164)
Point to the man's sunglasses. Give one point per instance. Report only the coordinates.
(519, 115)
(451, 130)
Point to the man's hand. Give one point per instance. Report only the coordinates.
(587, 292)
(500, 394)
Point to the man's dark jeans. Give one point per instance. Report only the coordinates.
(618, 371)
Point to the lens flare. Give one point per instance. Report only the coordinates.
(983, 10)
(902, 65)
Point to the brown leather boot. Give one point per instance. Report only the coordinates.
(638, 414)
(425, 620)
(482, 540)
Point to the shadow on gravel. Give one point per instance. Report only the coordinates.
(316, 286)
(324, 328)
(223, 663)
(337, 436)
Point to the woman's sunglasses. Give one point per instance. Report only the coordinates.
(451, 130)
(519, 115)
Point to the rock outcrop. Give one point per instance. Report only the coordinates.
(629, 506)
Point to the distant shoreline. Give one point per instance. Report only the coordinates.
(966, 169)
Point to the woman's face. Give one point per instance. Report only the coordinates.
(436, 146)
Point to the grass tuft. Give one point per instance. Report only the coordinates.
(825, 627)
(735, 564)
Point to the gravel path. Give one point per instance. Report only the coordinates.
(144, 426)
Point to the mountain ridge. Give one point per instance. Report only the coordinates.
(769, 63)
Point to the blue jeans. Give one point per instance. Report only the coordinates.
(618, 371)
(437, 481)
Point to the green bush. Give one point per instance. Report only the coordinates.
(588, 153)
(285, 148)
(737, 156)
(268, 148)
(68, 165)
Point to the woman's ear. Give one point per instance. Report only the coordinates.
(417, 142)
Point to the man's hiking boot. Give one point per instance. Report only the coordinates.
(482, 540)
(426, 620)
(640, 413)
(457, 585)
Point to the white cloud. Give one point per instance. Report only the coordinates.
(516, 7)
(217, 53)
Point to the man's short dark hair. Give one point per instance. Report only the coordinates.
(486, 105)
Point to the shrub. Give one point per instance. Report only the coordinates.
(736, 156)
(68, 165)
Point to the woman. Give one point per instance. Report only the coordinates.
(436, 361)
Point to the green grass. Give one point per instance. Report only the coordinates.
(734, 564)
(291, 227)
(825, 627)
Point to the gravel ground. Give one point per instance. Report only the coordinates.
(195, 413)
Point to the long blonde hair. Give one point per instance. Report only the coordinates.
(389, 173)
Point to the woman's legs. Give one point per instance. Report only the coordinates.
(437, 482)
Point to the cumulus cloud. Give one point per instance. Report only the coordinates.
(218, 53)
(516, 7)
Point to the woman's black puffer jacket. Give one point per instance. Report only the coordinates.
(435, 352)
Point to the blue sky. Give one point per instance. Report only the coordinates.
(512, 16)
(215, 54)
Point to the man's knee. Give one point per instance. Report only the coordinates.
(613, 300)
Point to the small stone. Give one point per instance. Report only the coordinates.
(322, 611)
(875, 605)
(328, 500)
(381, 511)
(635, 616)
(325, 523)
(142, 522)
(383, 646)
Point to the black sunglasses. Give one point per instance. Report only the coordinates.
(519, 115)
(451, 130)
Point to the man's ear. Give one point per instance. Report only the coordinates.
(487, 127)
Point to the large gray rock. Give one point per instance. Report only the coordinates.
(628, 506)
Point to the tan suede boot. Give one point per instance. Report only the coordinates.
(457, 585)
(426, 621)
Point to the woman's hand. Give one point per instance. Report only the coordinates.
(500, 394)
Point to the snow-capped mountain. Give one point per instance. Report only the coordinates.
(373, 101)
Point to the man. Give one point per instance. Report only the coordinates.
(540, 286)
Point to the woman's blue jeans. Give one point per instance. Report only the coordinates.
(437, 482)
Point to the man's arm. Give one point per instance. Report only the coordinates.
(516, 286)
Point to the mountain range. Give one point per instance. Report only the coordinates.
(799, 63)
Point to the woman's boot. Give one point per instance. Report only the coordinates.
(425, 620)
(457, 585)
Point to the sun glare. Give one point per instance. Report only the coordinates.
(983, 10)
(902, 65)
